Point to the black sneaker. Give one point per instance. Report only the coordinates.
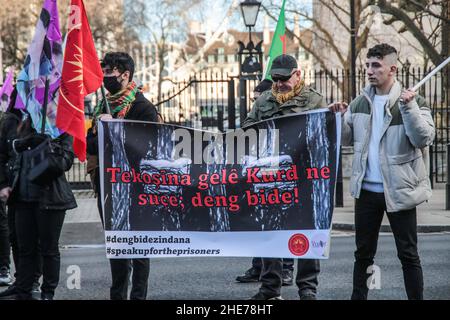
(12, 293)
(308, 296)
(251, 275)
(287, 278)
(36, 287)
(46, 296)
(36, 291)
(261, 296)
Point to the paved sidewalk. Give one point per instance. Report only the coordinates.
(87, 208)
(431, 216)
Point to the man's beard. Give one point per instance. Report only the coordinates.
(282, 97)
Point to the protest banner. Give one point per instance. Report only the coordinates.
(266, 190)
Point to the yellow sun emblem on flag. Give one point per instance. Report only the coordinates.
(78, 63)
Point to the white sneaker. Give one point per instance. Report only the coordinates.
(5, 277)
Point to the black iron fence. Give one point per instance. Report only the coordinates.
(77, 176)
(218, 102)
(213, 102)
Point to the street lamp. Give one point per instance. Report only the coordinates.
(249, 10)
(250, 56)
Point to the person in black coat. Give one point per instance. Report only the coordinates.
(126, 102)
(39, 210)
(8, 132)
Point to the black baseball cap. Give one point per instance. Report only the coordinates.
(283, 65)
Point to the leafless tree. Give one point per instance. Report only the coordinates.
(328, 50)
(164, 23)
(18, 20)
(16, 25)
(412, 14)
(426, 20)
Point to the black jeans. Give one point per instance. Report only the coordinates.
(288, 264)
(369, 211)
(306, 279)
(36, 227)
(15, 246)
(121, 268)
(4, 237)
(120, 271)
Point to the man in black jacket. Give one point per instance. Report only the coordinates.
(126, 102)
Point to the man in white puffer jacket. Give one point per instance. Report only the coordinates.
(388, 127)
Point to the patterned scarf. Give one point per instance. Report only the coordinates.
(283, 97)
(120, 102)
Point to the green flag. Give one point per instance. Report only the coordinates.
(278, 46)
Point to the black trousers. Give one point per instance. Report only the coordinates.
(15, 246)
(121, 269)
(36, 227)
(369, 211)
(4, 237)
(306, 279)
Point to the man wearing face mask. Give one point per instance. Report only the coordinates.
(289, 95)
(126, 101)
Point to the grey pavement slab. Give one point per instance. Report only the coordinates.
(86, 211)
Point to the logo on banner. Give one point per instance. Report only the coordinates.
(319, 244)
(298, 244)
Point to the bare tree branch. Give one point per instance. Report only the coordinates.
(326, 33)
(338, 18)
(400, 15)
(339, 7)
(426, 9)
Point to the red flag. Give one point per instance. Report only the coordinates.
(81, 75)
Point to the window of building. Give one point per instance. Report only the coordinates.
(211, 58)
(231, 58)
(221, 56)
(303, 55)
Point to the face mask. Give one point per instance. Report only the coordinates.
(112, 84)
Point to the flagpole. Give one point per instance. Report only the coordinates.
(108, 110)
(428, 76)
(44, 106)
(432, 73)
(267, 69)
